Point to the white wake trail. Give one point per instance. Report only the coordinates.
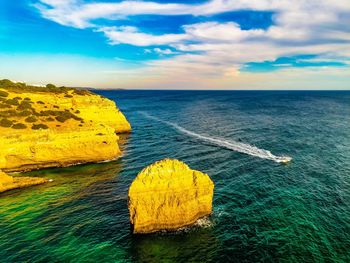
(231, 145)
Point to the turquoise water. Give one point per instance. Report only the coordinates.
(263, 210)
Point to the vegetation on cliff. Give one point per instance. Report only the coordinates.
(168, 195)
(21, 112)
(32, 107)
(21, 87)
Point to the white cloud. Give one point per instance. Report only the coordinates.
(131, 35)
(165, 51)
(72, 12)
(79, 14)
(219, 32)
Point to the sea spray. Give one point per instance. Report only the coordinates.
(227, 144)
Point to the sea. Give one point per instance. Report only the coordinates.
(264, 210)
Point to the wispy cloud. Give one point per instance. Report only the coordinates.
(131, 35)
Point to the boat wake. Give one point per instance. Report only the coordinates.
(223, 143)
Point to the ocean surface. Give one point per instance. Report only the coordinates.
(263, 211)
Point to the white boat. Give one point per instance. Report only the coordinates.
(284, 159)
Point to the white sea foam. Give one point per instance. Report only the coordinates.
(227, 144)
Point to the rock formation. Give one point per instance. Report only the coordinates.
(8, 182)
(168, 195)
(49, 126)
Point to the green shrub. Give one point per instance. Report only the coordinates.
(75, 117)
(24, 105)
(40, 102)
(24, 113)
(44, 113)
(35, 113)
(62, 116)
(8, 113)
(3, 93)
(6, 122)
(12, 102)
(6, 83)
(22, 87)
(4, 106)
(26, 98)
(81, 92)
(51, 87)
(56, 107)
(61, 119)
(68, 96)
(47, 113)
(19, 126)
(39, 126)
(31, 119)
(77, 111)
(50, 119)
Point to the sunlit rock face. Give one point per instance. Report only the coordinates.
(47, 148)
(50, 128)
(168, 195)
(100, 110)
(8, 182)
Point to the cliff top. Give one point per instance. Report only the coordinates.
(24, 107)
(20, 87)
(161, 174)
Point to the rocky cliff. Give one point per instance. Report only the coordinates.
(49, 126)
(168, 195)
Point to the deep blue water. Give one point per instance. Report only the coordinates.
(263, 210)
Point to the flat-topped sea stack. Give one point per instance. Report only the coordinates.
(56, 126)
(8, 182)
(168, 195)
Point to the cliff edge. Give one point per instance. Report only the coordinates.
(168, 195)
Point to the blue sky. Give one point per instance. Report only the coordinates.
(218, 44)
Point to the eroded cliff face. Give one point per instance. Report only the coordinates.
(48, 129)
(23, 151)
(8, 182)
(168, 195)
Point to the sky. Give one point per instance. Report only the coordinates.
(177, 44)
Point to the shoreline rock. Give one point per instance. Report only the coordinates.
(8, 182)
(168, 195)
(45, 148)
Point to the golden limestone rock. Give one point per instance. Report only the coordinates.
(50, 126)
(168, 195)
(101, 110)
(8, 182)
(21, 151)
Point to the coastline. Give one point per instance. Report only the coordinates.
(56, 127)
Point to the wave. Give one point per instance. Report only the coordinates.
(223, 143)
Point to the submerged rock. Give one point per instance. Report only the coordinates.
(168, 195)
(8, 182)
